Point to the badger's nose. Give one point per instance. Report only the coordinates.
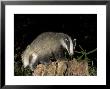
(71, 54)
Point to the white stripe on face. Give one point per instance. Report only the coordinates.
(71, 46)
(64, 45)
(70, 51)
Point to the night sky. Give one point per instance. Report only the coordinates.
(83, 27)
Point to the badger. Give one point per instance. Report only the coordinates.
(46, 45)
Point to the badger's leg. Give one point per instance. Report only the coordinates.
(33, 61)
(45, 60)
(25, 63)
(59, 53)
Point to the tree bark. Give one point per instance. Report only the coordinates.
(63, 68)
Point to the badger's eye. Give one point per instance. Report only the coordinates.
(66, 40)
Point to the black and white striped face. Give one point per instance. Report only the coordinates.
(68, 44)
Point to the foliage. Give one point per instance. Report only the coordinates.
(92, 71)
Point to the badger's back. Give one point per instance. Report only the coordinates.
(45, 42)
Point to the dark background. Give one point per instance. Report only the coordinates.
(83, 27)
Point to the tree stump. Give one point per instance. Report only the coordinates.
(63, 68)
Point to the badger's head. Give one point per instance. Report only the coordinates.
(69, 44)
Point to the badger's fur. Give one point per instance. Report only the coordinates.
(46, 45)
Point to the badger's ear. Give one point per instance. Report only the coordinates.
(74, 43)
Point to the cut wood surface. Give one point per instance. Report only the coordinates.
(63, 68)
